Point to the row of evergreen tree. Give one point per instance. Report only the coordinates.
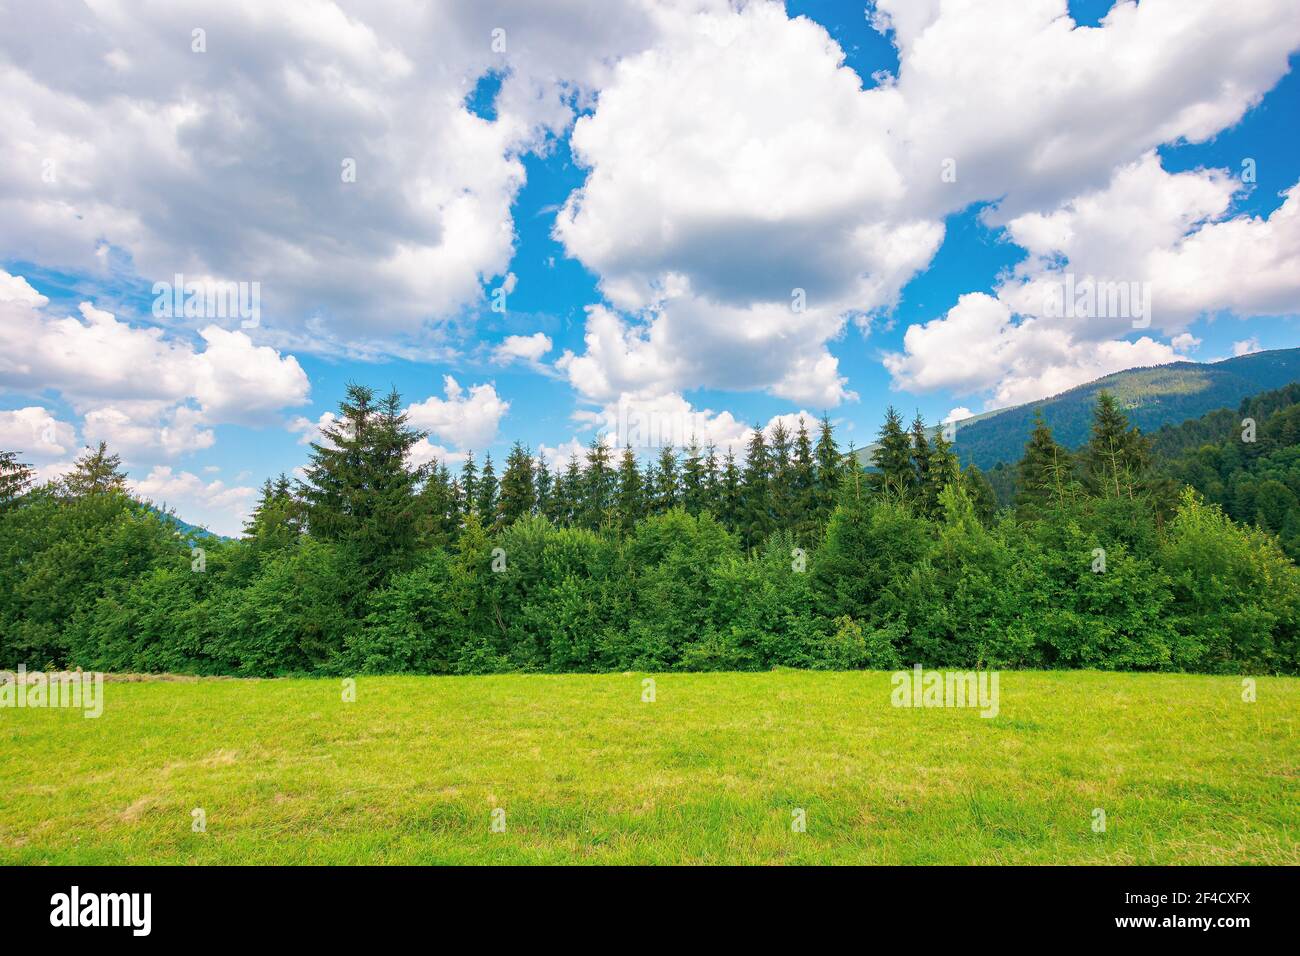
(785, 481)
(358, 488)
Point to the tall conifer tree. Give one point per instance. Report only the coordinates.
(711, 502)
(598, 485)
(486, 496)
(667, 489)
(1117, 456)
(942, 468)
(782, 478)
(756, 492)
(518, 494)
(830, 467)
(730, 493)
(1046, 471)
(803, 481)
(545, 484)
(693, 481)
(96, 472)
(895, 472)
(921, 457)
(568, 492)
(468, 486)
(360, 491)
(631, 491)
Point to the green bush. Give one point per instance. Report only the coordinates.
(1235, 595)
(413, 625)
(973, 600)
(293, 618)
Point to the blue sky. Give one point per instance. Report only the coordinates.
(708, 154)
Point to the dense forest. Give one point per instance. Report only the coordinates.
(1247, 461)
(793, 556)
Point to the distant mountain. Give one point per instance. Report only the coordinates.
(190, 531)
(1152, 397)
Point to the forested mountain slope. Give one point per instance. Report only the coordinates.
(1151, 398)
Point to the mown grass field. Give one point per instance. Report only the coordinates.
(710, 772)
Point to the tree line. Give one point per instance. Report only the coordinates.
(795, 557)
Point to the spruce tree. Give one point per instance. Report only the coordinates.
(598, 485)
(829, 470)
(756, 491)
(360, 492)
(942, 469)
(667, 489)
(485, 502)
(730, 491)
(277, 518)
(96, 472)
(1046, 471)
(518, 495)
(265, 500)
(921, 461)
(895, 474)
(439, 509)
(1117, 456)
(457, 501)
(711, 502)
(693, 481)
(649, 483)
(803, 486)
(468, 486)
(568, 493)
(854, 477)
(980, 491)
(631, 491)
(545, 484)
(781, 490)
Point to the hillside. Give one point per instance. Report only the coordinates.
(1256, 482)
(1151, 397)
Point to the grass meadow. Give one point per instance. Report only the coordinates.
(711, 771)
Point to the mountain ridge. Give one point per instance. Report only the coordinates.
(1151, 396)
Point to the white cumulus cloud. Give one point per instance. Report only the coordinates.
(467, 419)
(526, 348)
(1164, 249)
(34, 431)
(137, 387)
(322, 148)
(738, 164)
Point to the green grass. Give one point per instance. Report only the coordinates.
(709, 773)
